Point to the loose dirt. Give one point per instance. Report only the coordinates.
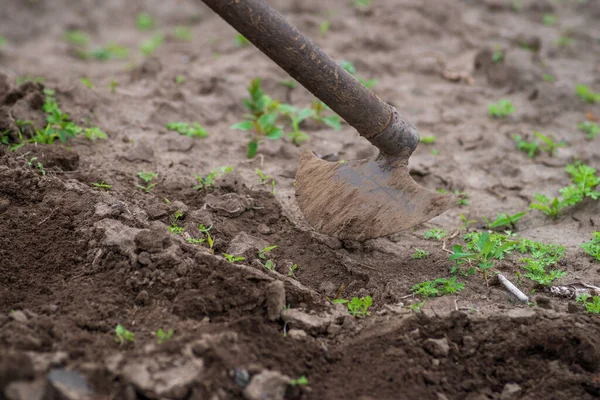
(75, 261)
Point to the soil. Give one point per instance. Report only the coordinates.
(76, 261)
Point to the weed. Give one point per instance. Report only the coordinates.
(186, 129)
(497, 55)
(176, 229)
(107, 52)
(101, 186)
(564, 41)
(144, 22)
(2, 41)
(357, 307)
(333, 121)
(233, 259)
(547, 144)
(324, 27)
(592, 129)
(32, 163)
(147, 177)
(437, 287)
(293, 269)
(466, 222)
(505, 219)
(479, 253)
(289, 83)
(240, 40)
(435, 233)
(113, 86)
(123, 335)
(542, 257)
(87, 83)
(182, 33)
(591, 306)
(416, 307)
(149, 46)
(76, 37)
(163, 336)
(549, 77)
(179, 79)
(194, 240)
(302, 381)
(588, 95)
(209, 180)
(209, 238)
(593, 246)
(266, 180)
(361, 4)
(428, 139)
(503, 108)
(531, 148)
(93, 133)
(263, 253)
(270, 265)
(296, 117)
(435, 152)
(419, 253)
(549, 19)
(351, 69)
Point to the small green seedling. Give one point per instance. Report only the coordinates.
(357, 307)
(87, 83)
(32, 163)
(351, 69)
(531, 148)
(464, 196)
(240, 40)
(590, 128)
(502, 109)
(435, 233)
(547, 144)
(549, 19)
(292, 270)
(182, 33)
(113, 86)
(319, 108)
(123, 335)
(28, 78)
(324, 27)
(416, 307)
(419, 253)
(101, 186)
(289, 83)
(145, 22)
(302, 381)
(147, 177)
(564, 40)
(586, 94)
(591, 306)
(2, 41)
(593, 246)
(505, 220)
(209, 238)
(265, 179)
(186, 129)
(176, 229)
(549, 77)
(163, 336)
(270, 265)
(428, 139)
(497, 55)
(361, 4)
(204, 182)
(149, 46)
(263, 253)
(76, 37)
(233, 259)
(466, 223)
(179, 79)
(437, 287)
(107, 52)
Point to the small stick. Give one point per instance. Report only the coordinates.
(48, 217)
(513, 289)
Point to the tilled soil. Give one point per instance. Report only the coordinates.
(75, 261)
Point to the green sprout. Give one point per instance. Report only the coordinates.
(87, 82)
(182, 33)
(464, 196)
(497, 55)
(549, 19)
(265, 179)
(186, 129)
(147, 177)
(592, 129)
(144, 22)
(207, 181)
(263, 253)
(2, 41)
(586, 94)
(302, 381)
(101, 186)
(549, 77)
(593, 246)
(361, 4)
(233, 259)
(319, 108)
(437, 287)
(113, 86)
(179, 79)
(503, 108)
(351, 69)
(357, 307)
(32, 163)
(419, 253)
(163, 336)
(149, 46)
(416, 307)
(107, 52)
(324, 27)
(428, 139)
(76, 37)
(240, 40)
(292, 270)
(123, 335)
(435, 233)
(564, 40)
(505, 220)
(547, 144)
(591, 306)
(209, 238)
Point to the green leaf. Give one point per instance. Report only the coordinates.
(333, 121)
(275, 133)
(267, 120)
(252, 148)
(243, 126)
(304, 113)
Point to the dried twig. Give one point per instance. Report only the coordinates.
(513, 289)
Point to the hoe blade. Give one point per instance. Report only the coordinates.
(363, 199)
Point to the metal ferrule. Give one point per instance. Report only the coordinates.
(399, 139)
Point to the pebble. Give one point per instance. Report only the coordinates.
(437, 347)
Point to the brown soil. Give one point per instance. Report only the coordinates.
(76, 261)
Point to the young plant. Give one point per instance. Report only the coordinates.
(122, 335)
(435, 233)
(357, 307)
(351, 69)
(591, 306)
(185, 129)
(586, 94)
(113, 86)
(564, 40)
(262, 254)
(419, 253)
(464, 196)
(107, 52)
(428, 139)
(292, 270)
(145, 22)
(2, 41)
(593, 246)
(147, 178)
(505, 220)
(549, 19)
(176, 229)
(497, 55)
(209, 238)
(182, 33)
(209, 180)
(531, 148)
(416, 307)
(149, 46)
(324, 27)
(590, 128)
(233, 259)
(32, 163)
(179, 79)
(466, 223)
(549, 77)
(361, 4)
(536, 271)
(240, 40)
(87, 83)
(437, 287)
(101, 186)
(479, 255)
(319, 108)
(265, 179)
(76, 38)
(163, 336)
(503, 108)
(302, 381)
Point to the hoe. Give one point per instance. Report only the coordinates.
(360, 199)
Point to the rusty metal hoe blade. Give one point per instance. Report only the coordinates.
(361, 199)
